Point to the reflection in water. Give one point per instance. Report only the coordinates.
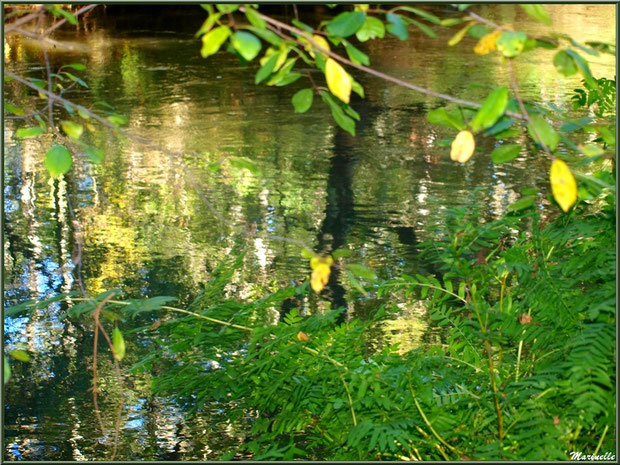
(146, 229)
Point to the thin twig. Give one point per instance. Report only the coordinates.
(515, 88)
(346, 388)
(374, 72)
(600, 443)
(79, 242)
(95, 349)
(180, 310)
(119, 378)
(50, 100)
(482, 20)
(41, 38)
(25, 19)
(428, 423)
(64, 20)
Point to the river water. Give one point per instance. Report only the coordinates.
(152, 224)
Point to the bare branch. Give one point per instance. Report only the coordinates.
(26, 19)
(64, 20)
(374, 72)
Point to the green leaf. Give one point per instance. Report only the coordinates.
(345, 122)
(423, 14)
(361, 271)
(522, 203)
(357, 88)
(95, 154)
(508, 133)
(248, 45)
(478, 31)
(351, 112)
(254, 18)
(346, 24)
(302, 100)
(212, 41)
(103, 103)
(58, 11)
(58, 160)
(492, 109)
(20, 355)
(13, 109)
(542, 132)
(265, 71)
(357, 56)
(208, 24)
(27, 133)
(341, 253)
(83, 114)
(464, 6)
(372, 28)
(584, 69)
(75, 79)
(511, 43)
(138, 306)
(451, 21)
(288, 79)
(456, 38)
(591, 150)
(7, 371)
(305, 253)
(499, 127)
(118, 343)
(75, 66)
(565, 63)
(72, 129)
(227, 8)
(397, 26)
(244, 163)
(573, 125)
(303, 26)
(355, 283)
(443, 117)
(424, 28)
(118, 120)
(537, 12)
(39, 82)
(266, 35)
(505, 153)
(603, 47)
(111, 316)
(546, 43)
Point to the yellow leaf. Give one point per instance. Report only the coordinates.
(270, 51)
(456, 38)
(20, 355)
(463, 146)
(563, 185)
(281, 58)
(314, 262)
(321, 42)
(301, 336)
(319, 277)
(486, 43)
(338, 80)
(118, 344)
